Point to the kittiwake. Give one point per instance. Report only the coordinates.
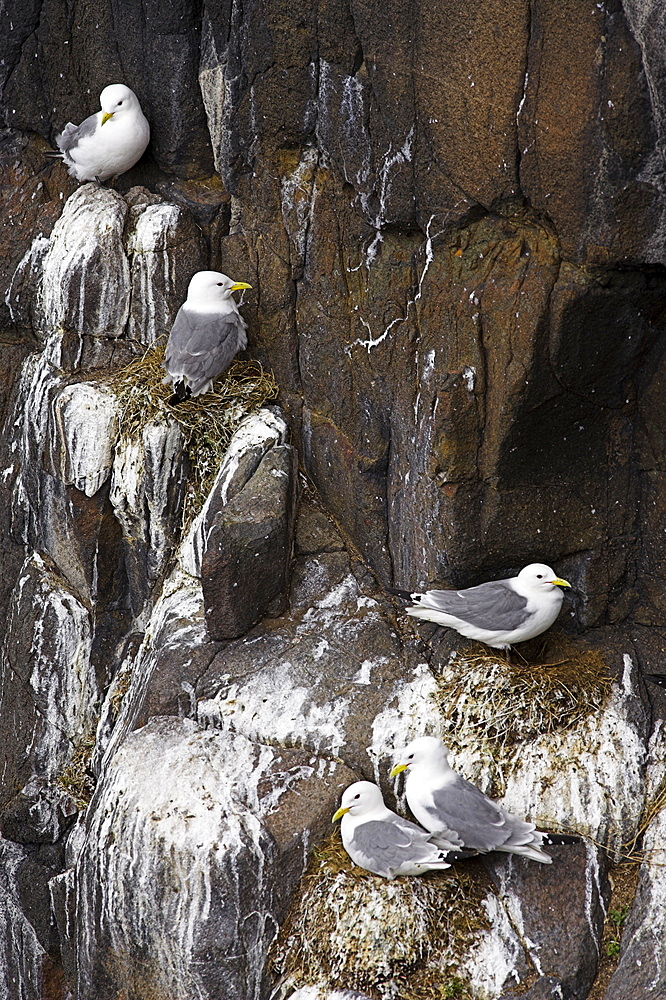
(206, 335)
(498, 613)
(379, 840)
(442, 801)
(109, 142)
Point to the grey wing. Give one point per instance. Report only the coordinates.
(382, 846)
(72, 134)
(493, 606)
(477, 819)
(202, 345)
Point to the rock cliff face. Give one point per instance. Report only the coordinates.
(453, 218)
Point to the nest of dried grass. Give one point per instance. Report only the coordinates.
(487, 702)
(76, 779)
(207, 422)
(349, 929)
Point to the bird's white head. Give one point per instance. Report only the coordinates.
(359, 799)
(428, 750)
(211, 287)
(538, 576)
(117, 99)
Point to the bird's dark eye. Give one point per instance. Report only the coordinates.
(539, 576)
(119, 103)
(219, 284)
(357, 796)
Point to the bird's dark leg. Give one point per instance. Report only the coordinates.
(182, 393)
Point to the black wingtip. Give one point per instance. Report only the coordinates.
(52, 154)
(560, 838)
(659, 679)
(404, 594)
(460, 855)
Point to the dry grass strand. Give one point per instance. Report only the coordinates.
(75, 778)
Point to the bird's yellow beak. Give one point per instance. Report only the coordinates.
(237, 285)
(106, 116)
(560, 583)
(398, 769)
(339, 814)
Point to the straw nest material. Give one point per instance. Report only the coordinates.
(404, 939)
(76, 778)
(488, 702)
(207, 422)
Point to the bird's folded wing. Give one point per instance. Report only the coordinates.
(478, 821)
(71, 135)
(494, 606)
(385, 845)
(203, 344)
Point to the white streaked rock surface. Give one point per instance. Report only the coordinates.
(641, 971)
(187, 857)
(48, 697)
(85, 286)
(165, 249)
(21, 954)
(147, 489)
(85, 429)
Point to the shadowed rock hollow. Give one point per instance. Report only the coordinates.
(453, 218)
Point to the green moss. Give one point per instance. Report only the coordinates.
(349, 929)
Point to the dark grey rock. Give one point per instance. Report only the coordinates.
(315, 532)
(545, 988)
(559, 911)
(245, 566)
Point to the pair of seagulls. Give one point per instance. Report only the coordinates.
(208, 330)
(458, 820)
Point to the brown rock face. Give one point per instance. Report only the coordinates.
(453, 217)
(449, 224)
(245, 566)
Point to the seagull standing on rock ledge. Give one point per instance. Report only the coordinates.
(498, 613)
(206, 335)
(109, 142)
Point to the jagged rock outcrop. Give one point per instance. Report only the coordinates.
(453, 220)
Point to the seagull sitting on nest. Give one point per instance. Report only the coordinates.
(379, 840)
(109, 142)
(443, 801)
(206, 335)
(498, 613)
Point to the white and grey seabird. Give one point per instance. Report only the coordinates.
(379, 840)
(443, 801)
(206, 335)
(109, 142)
(498, 613)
